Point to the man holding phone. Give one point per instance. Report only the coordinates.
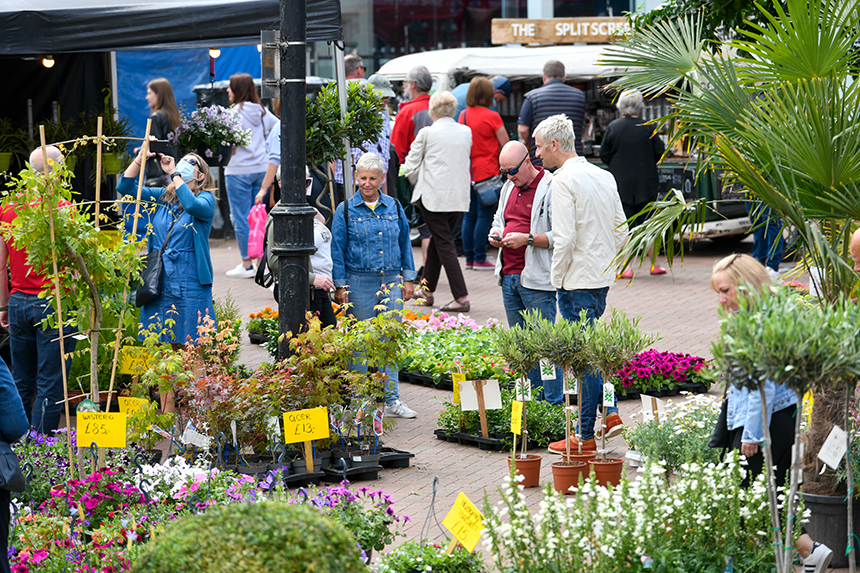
(522, 230)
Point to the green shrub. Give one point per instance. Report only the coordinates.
(415, 556)
(251, 538)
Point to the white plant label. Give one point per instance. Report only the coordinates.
(273, 428)
(574, 389)
(233, 429)
(834, 447)
(652, 407)
(469, 396)
(608, 394)
(195, 438)
(523, 390)
(547, 370)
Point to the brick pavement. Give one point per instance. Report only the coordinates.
(680, 307)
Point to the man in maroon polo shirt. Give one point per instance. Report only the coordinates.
(522, 229)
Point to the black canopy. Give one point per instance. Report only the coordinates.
(58, 26)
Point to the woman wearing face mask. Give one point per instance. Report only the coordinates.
(187, 205)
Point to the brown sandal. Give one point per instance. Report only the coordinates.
(461, 307)
(425, 295)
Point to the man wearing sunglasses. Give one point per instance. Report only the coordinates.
(522, 230)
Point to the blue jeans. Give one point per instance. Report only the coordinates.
(241, 190)
(767, 234)
(36, 360)
(518, 298)
(476, 228)
(570, 303)
(364, 295)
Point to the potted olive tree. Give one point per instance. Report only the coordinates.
(13, 140)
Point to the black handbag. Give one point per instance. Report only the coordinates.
(11, 478)
(720, 437)
(152, 275)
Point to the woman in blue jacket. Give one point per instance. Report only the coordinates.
(187, 205)
(733, 277)
(13, 425)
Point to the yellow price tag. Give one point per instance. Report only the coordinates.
(456, 378)
(107, 430)
(465, 522)
(134, 360)
(517, 417)
(304, 425)
(129, 406)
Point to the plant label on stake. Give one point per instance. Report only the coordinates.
(482, 396)
(106, 430)
(547, 370)
(129, 406)
(834, 447)
(523, 389)
(195, 438)
(652, 407)
(465, 522)
(233, 429)
(517, 417)
(134, 360)
(608, 394)
(273, 428)
(305, 426)
(456, 378)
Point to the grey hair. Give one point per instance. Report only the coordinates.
(371, 162)
(553, 69)
(351, 63)
(422, 78)
(443, 104)
(36, 160)
(631, 103)
(558, 128)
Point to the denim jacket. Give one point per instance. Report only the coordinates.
(373, 242)
(744, 409)
(13, 422)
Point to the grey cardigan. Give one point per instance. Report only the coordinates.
(536, 273)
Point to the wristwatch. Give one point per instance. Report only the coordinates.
(531, 240)
(174, 174)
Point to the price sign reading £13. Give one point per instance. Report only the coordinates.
(306, 425)
(465, 522)
(107, 430)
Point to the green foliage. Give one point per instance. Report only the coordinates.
(139, 422)
(415, 556)
(228, 315)
(12, 138)
(249, 538)
(324, 130)
(614, 341)
(719, 17)
(113, 126)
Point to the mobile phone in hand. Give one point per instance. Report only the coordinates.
(495, 237)
(159, 146)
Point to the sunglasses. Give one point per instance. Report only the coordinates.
(513, 171)
(191, 161)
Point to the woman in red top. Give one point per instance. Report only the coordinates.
(488, 137)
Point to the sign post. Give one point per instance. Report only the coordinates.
(306, 426)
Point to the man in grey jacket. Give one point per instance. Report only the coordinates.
(522, 230)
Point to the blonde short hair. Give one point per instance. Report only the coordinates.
(557, 128)
(743, 270)
(443, 104)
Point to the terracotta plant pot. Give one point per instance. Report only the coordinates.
(528, 467)
(608, 472)
(566, 475)
(584, 457)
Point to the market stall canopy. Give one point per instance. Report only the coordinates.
(52, 27)
(514, 62)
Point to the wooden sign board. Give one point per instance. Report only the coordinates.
(596, 30)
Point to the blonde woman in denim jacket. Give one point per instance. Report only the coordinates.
(743, 415)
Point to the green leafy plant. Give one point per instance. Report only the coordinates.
(415, 556)
(522, 354)
(13, 139)
(140, 422)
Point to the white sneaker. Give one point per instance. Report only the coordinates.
(774, 275)
(240, 272)
(818, 559)
(399, 410)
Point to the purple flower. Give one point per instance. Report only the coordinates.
(209, 153)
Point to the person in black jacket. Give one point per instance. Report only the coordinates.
(165, 119)
(631, 150)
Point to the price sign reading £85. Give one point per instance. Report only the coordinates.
(306, 425)
(107, 430)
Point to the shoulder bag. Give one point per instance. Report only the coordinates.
(11, 478)
(152, 275)
(720, 437)
(489, 189)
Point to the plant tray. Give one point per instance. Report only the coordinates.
(257, 337)
(392, 458)
(366, 473)
(298, 480)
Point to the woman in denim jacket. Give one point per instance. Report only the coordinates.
(371, 252)
(13, 425)
(743, 415)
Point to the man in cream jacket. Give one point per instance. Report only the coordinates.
(589, 228)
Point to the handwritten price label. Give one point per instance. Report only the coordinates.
(517, 417)
(134, 360)
(465, 522)
(305, 425)
(456, 378)
(105, 429)
(129, 406)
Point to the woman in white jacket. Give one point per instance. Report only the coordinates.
(248, 166)
(438, 166)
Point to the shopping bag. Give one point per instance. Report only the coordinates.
(257, 233)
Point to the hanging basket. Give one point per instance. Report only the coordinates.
(112, 163)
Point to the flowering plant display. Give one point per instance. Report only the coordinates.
(656, 369)
(264, 321)
(680, 436)
(419, 556)
(210, 128)
(703, 521)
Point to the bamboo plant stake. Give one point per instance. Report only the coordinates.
(140, 180)
(72, 465)
(771, 486)
(852, 566)
(793, 487)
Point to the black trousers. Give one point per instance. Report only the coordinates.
(320, 304)
(782, 434)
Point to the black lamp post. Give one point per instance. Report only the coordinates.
(292, 216)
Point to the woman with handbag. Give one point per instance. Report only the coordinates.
(438, 167)
(488, 137)
(733, 277)
(13, 426)
(181, 222)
